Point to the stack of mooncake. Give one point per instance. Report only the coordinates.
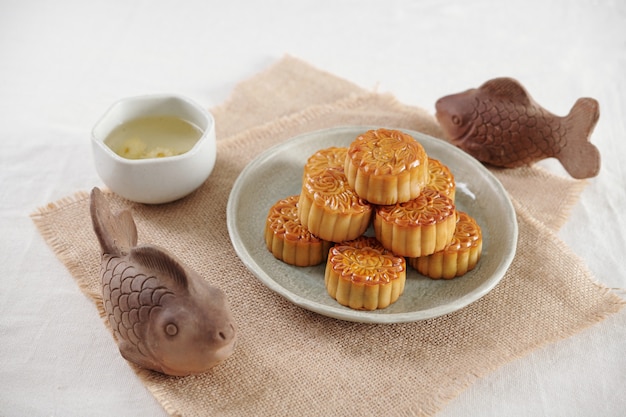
(385, 179)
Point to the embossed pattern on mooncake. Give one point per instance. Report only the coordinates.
(330, 208)
(363, 275)
(333, 157)
(441, 178)
(386, 166)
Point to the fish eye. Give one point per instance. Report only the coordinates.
(456, 120)
(171, 329)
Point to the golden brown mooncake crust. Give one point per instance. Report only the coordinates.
(386, 166)
(331, 209)
(363, 275)
(290, 241)
(441, 178)
(418, 227)
(458, 257)
(333, 157)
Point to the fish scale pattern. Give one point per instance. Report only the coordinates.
(129, 297)
(500, 124)
(516, 134)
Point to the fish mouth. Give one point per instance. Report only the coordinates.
(461, 131)
(213, 359)
(443, 118)
(461, 137)
(439, 114)
(226, 351)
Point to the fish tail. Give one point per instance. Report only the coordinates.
(580, 157)
(116, 233)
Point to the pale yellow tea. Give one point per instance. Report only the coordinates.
(153, 137)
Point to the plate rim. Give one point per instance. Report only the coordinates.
(357, 315)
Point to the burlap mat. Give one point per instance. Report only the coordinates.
(293, 362)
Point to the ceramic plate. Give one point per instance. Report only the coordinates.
(277, 173)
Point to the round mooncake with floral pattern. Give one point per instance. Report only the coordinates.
(331, 209)
(386, 166)
(458, 257)
(419, 227)
(363, 275)
(289, 240)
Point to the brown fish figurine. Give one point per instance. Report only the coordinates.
(164, 316)
(500, 124)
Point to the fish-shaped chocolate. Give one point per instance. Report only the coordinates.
(164, 316)
(500, 124)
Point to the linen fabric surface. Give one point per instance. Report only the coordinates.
(290, 361)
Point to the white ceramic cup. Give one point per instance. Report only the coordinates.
(155, 180)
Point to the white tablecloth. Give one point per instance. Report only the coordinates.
(63, 63)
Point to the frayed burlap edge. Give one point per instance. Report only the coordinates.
(60, 250)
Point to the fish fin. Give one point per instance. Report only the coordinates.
(580, 158)
(506, 88)
(116, 233)
(161, 262)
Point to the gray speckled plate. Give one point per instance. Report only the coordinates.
(277, 173)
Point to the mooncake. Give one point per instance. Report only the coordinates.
(440, 178)
(419, 227)
(363, 275)
(386, 166)
(330, 209)
(333, 157)
(289, 240)
(458, 257)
